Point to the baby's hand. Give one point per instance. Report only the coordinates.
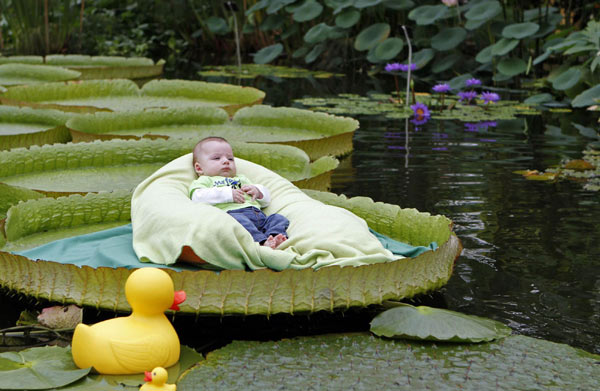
(238, 196)
(253, 191)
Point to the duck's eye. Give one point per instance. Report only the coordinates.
(153, 373)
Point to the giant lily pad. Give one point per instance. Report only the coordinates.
(34, 222)
(96, 67)
(363, 362)
(317, 134)
(122, 164)
(22, 127)
(38, 369)
(435, 324)
(10, 195)
(16, 74)
(123, 95)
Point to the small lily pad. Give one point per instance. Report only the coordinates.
(38, 369)
(520, 30)
(268, 54)
(434, 324)
(371, 36)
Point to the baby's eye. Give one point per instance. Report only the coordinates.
(230, 159)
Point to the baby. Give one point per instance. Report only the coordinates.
(218, 184)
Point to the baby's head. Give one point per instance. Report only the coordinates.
(213, 156)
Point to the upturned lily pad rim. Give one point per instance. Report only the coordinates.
(19, 74)
(237, 292)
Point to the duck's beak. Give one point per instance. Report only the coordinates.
(178, 299)
(147, 376)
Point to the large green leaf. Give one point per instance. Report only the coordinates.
(108, 67)
(35, 222)
(399, 5)
(317, 33)
(268, 54)
(10, 195)
(369, 37)
(484, 11)
(435, 324)
(359, 361)
(446, 63)
(22, 127)
(316, 133)
(388, 49)
(347, 18)
(567, 79)
(122, 164)
(38, 369)
(589, 97)
(520, 30)
(428, 14)
(448, 38)
(512, 66)
(121, 95)
(16, 74)
(504, 46)
(308, 10)
(485, 55)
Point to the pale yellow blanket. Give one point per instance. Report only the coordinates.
(164, 220)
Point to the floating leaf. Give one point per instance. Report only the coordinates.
(308, 10)
(364, 362)
(588, 97)
(36, 222)
(434, 324)
(389, 48)
(504, 46)
(448, 38)
(579, 165)
(567, 79)
(371, 36)
(122, 164)
(428, 14)
(512, 66)
(124, 95)
(22, 127)
(484, 11)
(520, 30)
(15, 74)
(347, 18)
(38, 369)
(255, 70)
(268, 54)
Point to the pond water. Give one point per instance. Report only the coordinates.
(531, 254)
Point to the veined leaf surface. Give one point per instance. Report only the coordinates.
(229, 292)
(318, 134)
(121, 95)
(122, 164)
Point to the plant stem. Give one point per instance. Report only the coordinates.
(409, 64)
(46, 27)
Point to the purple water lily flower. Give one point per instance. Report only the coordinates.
(467, 95)
(419, 121)
(420, 110)
(489, 97)
(391, 67)
(442, 88)
(473, 82)
(404, 67)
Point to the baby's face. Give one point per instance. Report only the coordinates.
(215, 159)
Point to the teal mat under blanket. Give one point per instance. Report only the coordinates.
(113, 248)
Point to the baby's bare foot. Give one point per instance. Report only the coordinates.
(270, 242)
(280, 239)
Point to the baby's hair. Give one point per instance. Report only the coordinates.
(201, 142)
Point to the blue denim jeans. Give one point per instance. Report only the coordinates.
(258, 224)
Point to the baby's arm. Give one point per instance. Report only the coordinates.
(213, 195)
(256, 191)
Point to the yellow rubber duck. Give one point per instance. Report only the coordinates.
(156, 381)
(139, 342)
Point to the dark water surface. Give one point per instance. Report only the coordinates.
(531, 254)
